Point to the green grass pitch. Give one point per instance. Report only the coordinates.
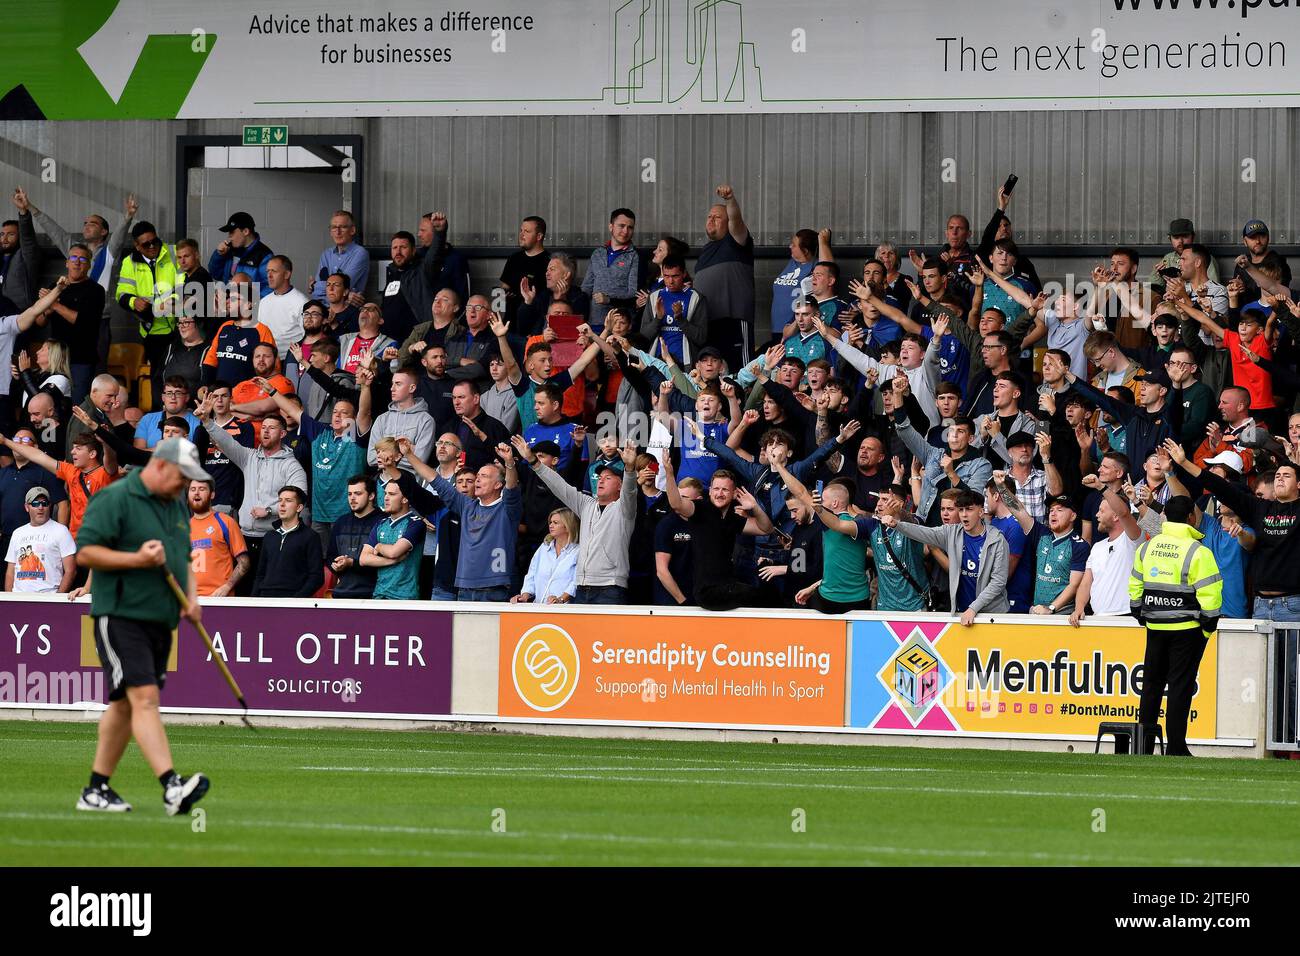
(349, 797)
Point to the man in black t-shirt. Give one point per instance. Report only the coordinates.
(724, 276)
(528, 263)
(75, 319)
(716, 521)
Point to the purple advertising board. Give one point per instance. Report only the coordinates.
(372, 661)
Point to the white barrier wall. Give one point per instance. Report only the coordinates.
(1007, 682)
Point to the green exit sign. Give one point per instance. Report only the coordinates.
(266, 135)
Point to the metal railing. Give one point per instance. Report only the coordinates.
(1283, 687)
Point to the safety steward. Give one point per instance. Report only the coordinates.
(1176, 591)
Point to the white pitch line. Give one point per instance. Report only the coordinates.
(240, 848)
(795, 850)
(1155, 776)
(564, 775)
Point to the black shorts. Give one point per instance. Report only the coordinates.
(132, 653)
(819, 603)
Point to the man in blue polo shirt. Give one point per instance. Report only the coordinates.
(548, 402)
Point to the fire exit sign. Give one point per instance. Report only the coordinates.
(266, 135)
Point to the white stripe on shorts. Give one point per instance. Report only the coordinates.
(113, 660)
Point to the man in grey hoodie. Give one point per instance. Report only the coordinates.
(978, 557)
(606, 523)
(407, 417)
(266, 470)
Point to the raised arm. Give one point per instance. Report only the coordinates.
(1016, 293)
(28, 318)
(735, 221)
(1014, 504)
(824, 252)
(682, 506)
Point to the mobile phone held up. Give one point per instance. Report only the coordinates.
(1010, 184)
(1171, 272)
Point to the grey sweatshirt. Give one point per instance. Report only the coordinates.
(995, 559)
(605, 533)
(414, 423)
(264, 476)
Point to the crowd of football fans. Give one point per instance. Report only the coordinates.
(943, 431)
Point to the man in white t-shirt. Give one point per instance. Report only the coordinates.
(42, 557)
(1104, 587)
(281, 311)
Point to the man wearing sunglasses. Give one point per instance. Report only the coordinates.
(149, 287)
(41, 556)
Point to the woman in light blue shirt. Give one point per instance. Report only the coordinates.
(552, 576)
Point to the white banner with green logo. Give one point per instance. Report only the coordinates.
(124, 59)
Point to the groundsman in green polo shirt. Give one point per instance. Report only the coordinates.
(134, 531)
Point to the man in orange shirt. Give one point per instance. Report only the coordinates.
(220, 556)
(251, 399)
(84, 477)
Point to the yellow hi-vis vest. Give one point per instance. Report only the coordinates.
(1175, 584)
(161, 285)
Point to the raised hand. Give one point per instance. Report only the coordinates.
(132, 206)
(526, 290)
(1175, 451)
(940, 325)
(725, 193)
(861, 290)
(506, 454)
(750, 417)
(899, 477)
(20, 199)
(848, 430)
(1084, 436)
(629, 456)
(1044, 442)
(404, 448)
(477, 432)
(498, 325)
(296, 351)
(439, 221)
(521, 446)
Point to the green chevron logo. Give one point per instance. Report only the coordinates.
(43, 74)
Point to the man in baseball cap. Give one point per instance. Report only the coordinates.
(1060, 558)
(241, 251)
(184, 454)
(1255, 237)
(1182, 234)
(135, 534)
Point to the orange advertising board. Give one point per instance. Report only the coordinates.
(705, 670)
